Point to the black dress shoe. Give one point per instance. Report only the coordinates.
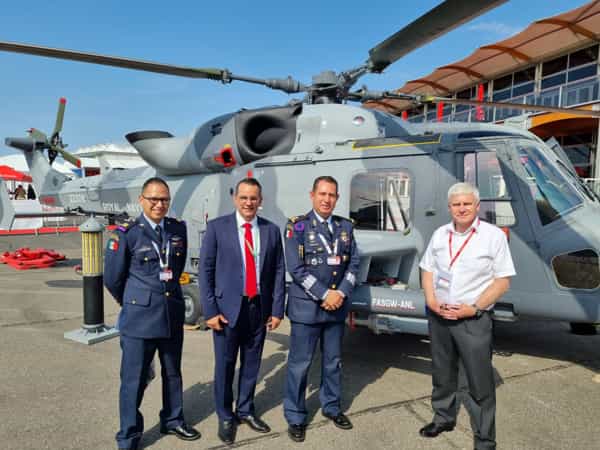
(432, 429)
(133, 447)
(227, 431)
(255, 423)
(297, 432)
(340, 421)
(182, 431)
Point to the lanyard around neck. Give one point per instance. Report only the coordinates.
(462, 247)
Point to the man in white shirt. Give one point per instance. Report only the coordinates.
(465, 270)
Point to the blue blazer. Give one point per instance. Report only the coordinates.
(151, 308)
(220, 273)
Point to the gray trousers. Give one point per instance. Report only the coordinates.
(468, 341)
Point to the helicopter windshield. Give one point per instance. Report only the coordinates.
(554, 195)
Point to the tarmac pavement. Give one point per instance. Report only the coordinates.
(59, 394)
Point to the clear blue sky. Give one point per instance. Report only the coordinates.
(258, 38)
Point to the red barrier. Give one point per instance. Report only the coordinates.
(24, 258)
(46, 230)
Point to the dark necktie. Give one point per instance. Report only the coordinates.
(250, 288)
(158, 230)
(327, 231)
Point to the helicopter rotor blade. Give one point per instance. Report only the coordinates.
(438, 21)
(505, 105)
(68, 156)
(377, 96)
(60, 114)
(115, 61)
(288, 84)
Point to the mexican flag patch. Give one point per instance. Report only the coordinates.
(113, 245)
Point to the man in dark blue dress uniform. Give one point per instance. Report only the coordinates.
(144, 260)
(322, 258)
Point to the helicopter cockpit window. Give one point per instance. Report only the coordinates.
(380, 200)
(554, 195)
(482, 169)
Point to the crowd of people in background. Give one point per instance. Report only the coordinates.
(20, 193)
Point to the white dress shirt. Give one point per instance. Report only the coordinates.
(485, 257)
(321, 220)
(153, 224)
(255, 241)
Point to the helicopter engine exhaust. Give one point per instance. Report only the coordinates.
(222, 143)
(266, 131)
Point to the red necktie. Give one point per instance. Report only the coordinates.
(251, 289)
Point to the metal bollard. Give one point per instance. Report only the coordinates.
(93, 329)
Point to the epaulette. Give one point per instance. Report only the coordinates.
(174, 220)
(340, 218)
(125, 225)
(295, 224)
(295, 219)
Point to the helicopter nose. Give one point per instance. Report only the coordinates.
(574, 251)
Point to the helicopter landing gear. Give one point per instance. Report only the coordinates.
(193, 308)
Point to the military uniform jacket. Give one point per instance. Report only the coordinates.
(308, 248)
(151, 308)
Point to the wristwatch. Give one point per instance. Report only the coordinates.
(478, 312)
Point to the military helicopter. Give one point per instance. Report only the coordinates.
(393, 178)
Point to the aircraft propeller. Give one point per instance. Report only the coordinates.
(39, 140)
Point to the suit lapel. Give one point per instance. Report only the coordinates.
(314, 222)
(264, 241)
(236, 241)
(336, 228)
(167, 237)
(168, 233)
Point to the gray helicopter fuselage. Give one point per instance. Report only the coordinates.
(393, 178)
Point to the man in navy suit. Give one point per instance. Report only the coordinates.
(323, 261)
(242, 288)
(144, 260)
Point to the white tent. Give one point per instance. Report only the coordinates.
(17, 162)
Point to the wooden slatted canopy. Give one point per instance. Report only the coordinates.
(542, 40)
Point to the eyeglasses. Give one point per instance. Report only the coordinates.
(156, 200)
(244, 199)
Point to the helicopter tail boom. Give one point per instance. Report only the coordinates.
(7, 212)
(45, 178)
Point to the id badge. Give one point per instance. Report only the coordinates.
(443, 286)
(166, 275)
(333, 260)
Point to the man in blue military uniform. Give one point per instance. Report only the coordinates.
(323, 260)
(144, 260)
